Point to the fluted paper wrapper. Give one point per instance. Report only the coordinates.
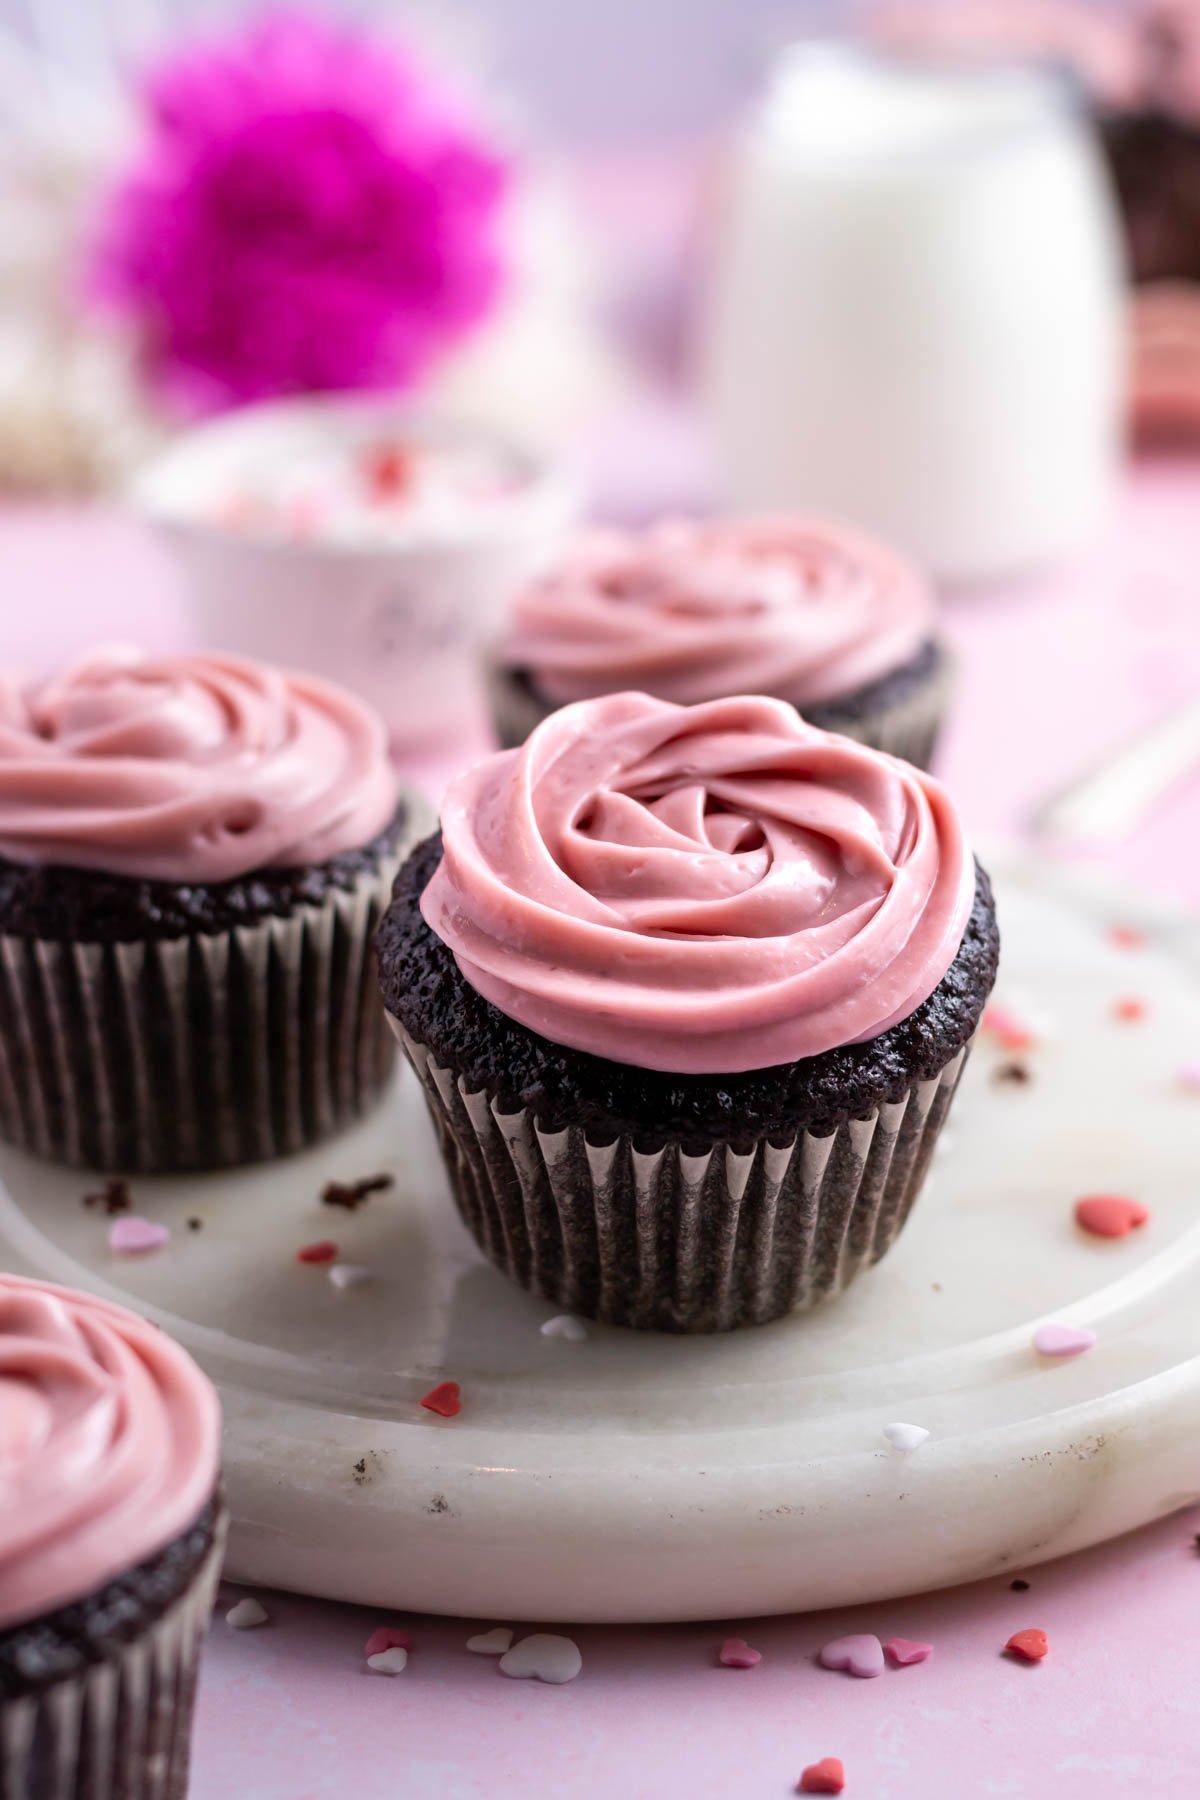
(121, 1729)
(200, 1052)
(909, 729)
(669, 1241)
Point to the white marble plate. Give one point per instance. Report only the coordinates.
(635, 1477)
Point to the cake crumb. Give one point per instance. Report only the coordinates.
(351, 1194)
(114, 1197)
(1021, 1586)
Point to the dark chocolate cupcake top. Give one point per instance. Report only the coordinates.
(189, 769)
(696, 610)
(109, 1443)
(705, 889)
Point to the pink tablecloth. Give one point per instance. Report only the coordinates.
(1052, 675)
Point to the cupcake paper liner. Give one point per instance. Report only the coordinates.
(907, 729)
(671, 1241)
(121, 1728)
(200, 1052)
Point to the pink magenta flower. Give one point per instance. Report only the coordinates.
(309, 212)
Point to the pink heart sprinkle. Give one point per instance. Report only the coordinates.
(904, 1651)
(861, 1655)
(387, 1637)
(131, 1236)
(1063, 1340)
(737, 1654)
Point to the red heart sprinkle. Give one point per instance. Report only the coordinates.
(824, 1777)
(1110, 1215)
(1126, 937)
(445, 1398)
(322, 1252)
(1030, 1644)
(387, 1637)
(387, 469)
(1129, 1009)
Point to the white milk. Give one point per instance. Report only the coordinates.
(916, 310)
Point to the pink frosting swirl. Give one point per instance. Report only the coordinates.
(187, 768)
(109, 1444)
(701, 889)
(696, 611)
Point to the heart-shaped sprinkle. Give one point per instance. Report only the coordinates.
(323, 1251)
(1009, 1030)
(491, 1643)
(445, 1399)
(349, 1275)
(386, 1637)
(542, 1657)
(905, 1651)
(861, 1655)
(1129, 1009)
(1056, 1339)
(1110, 1215)
(1031, 1645)
(389, 1662)
(567, 1326)
(131, 1236)
(824, 1777)
(735, 1653)
(905, 1437)
(246, 1615)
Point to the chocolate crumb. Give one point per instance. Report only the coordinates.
(936, 1286)
(1012, 1072)
(1196, 1541)
(114, 1197)
(195, 1224)
(351, 1194)
(1019, 1586)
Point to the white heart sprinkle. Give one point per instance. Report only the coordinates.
(390, 1661)
(349, 1275)
(491, 1643)
(905, 1437)
(246, 1615)
(566, 1325)
(542, 1657)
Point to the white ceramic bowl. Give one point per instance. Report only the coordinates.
(400, 619)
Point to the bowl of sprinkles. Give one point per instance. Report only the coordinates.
(345, 536)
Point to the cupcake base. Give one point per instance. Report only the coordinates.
(96, 1700)
(129, 1042)
(671, 1240)
(900, 714)
(676, 1202)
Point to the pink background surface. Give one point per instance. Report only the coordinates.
(1053, 673)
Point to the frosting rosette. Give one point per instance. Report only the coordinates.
(189, 768)
(109, 1444)
(693, 610)
(703, 889)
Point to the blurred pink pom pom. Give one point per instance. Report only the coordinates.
(308, 213)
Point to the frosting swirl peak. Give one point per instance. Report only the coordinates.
(695, 610)
(702, 889)
(109, 1443)
(193, 768)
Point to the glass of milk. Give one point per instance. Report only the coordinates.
(915, 316)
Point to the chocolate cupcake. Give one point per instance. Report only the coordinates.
(111, 1532)
(812, 613)
(194, 854)
(689, 991)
